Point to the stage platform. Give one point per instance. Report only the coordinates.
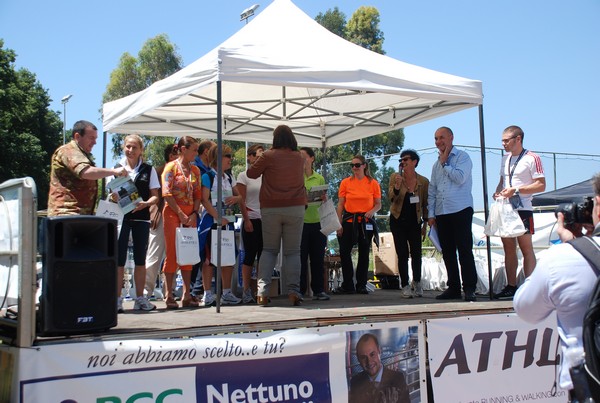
(380, 306)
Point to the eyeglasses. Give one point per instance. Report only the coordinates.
(357, 165)
(227, 155)
(404, 159)
(506, 141)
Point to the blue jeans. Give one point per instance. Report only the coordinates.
(282, 226)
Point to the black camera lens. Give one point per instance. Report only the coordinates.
(577, 213)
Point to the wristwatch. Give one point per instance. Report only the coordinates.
(516, 191)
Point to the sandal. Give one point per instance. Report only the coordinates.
(191, 302)
(171, 303)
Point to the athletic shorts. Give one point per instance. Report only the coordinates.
(527, 218)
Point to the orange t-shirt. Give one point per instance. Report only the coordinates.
(360, 194)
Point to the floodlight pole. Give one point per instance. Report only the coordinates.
(249, 12)
(64, 101)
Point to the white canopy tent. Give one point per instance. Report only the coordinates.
(284, 67)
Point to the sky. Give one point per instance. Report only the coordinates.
(539, 61)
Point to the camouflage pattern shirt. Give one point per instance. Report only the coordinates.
(69, 193)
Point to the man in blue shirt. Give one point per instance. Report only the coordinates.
(450, 206)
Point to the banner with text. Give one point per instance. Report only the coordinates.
(301, 365)
(493, 359)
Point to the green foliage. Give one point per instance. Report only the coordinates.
(29, 131)
(157, 59)
(154, 149)
(363, 29)
(334, 20)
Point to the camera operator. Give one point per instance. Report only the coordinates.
(563, 282)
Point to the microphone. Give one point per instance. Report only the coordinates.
(401, 169)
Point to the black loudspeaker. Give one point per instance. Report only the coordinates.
(79, 288)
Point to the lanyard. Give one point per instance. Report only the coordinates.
(512, 171)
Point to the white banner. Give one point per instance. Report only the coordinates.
(493, 359)
(303, 365)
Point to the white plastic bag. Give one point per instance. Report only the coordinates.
(187, 246)
(504, 221)
(110, 210)
(328, 218)
(227, 247)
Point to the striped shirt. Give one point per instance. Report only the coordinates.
(450, 185)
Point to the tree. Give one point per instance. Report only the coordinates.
(157, 59)
(334, 20)
(29, 131)
(362, 29)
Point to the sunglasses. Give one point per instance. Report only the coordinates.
(405, 159)
(357, 165)
(227, 156)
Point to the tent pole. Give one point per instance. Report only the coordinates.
(324, 163)
(485, 197)
(103, 188)
(219, 196)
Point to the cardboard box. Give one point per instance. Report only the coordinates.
(385, 260)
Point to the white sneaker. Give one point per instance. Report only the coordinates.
(247, 297)
(406, 292)
(229, 299)
(142, 304)
(120, 305)
(208, 300)
(418, 288)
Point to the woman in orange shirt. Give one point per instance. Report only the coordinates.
(359, 199)
(182, 193)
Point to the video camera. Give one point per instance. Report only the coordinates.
(577, 213)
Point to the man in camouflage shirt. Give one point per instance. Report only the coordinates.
(73, 176)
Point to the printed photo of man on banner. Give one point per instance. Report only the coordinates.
(382, 365)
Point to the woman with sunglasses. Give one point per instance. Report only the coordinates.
(282, 203)
(408, 219)
(209, 222)
(359, 199)
(182, 194)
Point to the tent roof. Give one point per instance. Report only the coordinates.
(569, 194)
(285, 68)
